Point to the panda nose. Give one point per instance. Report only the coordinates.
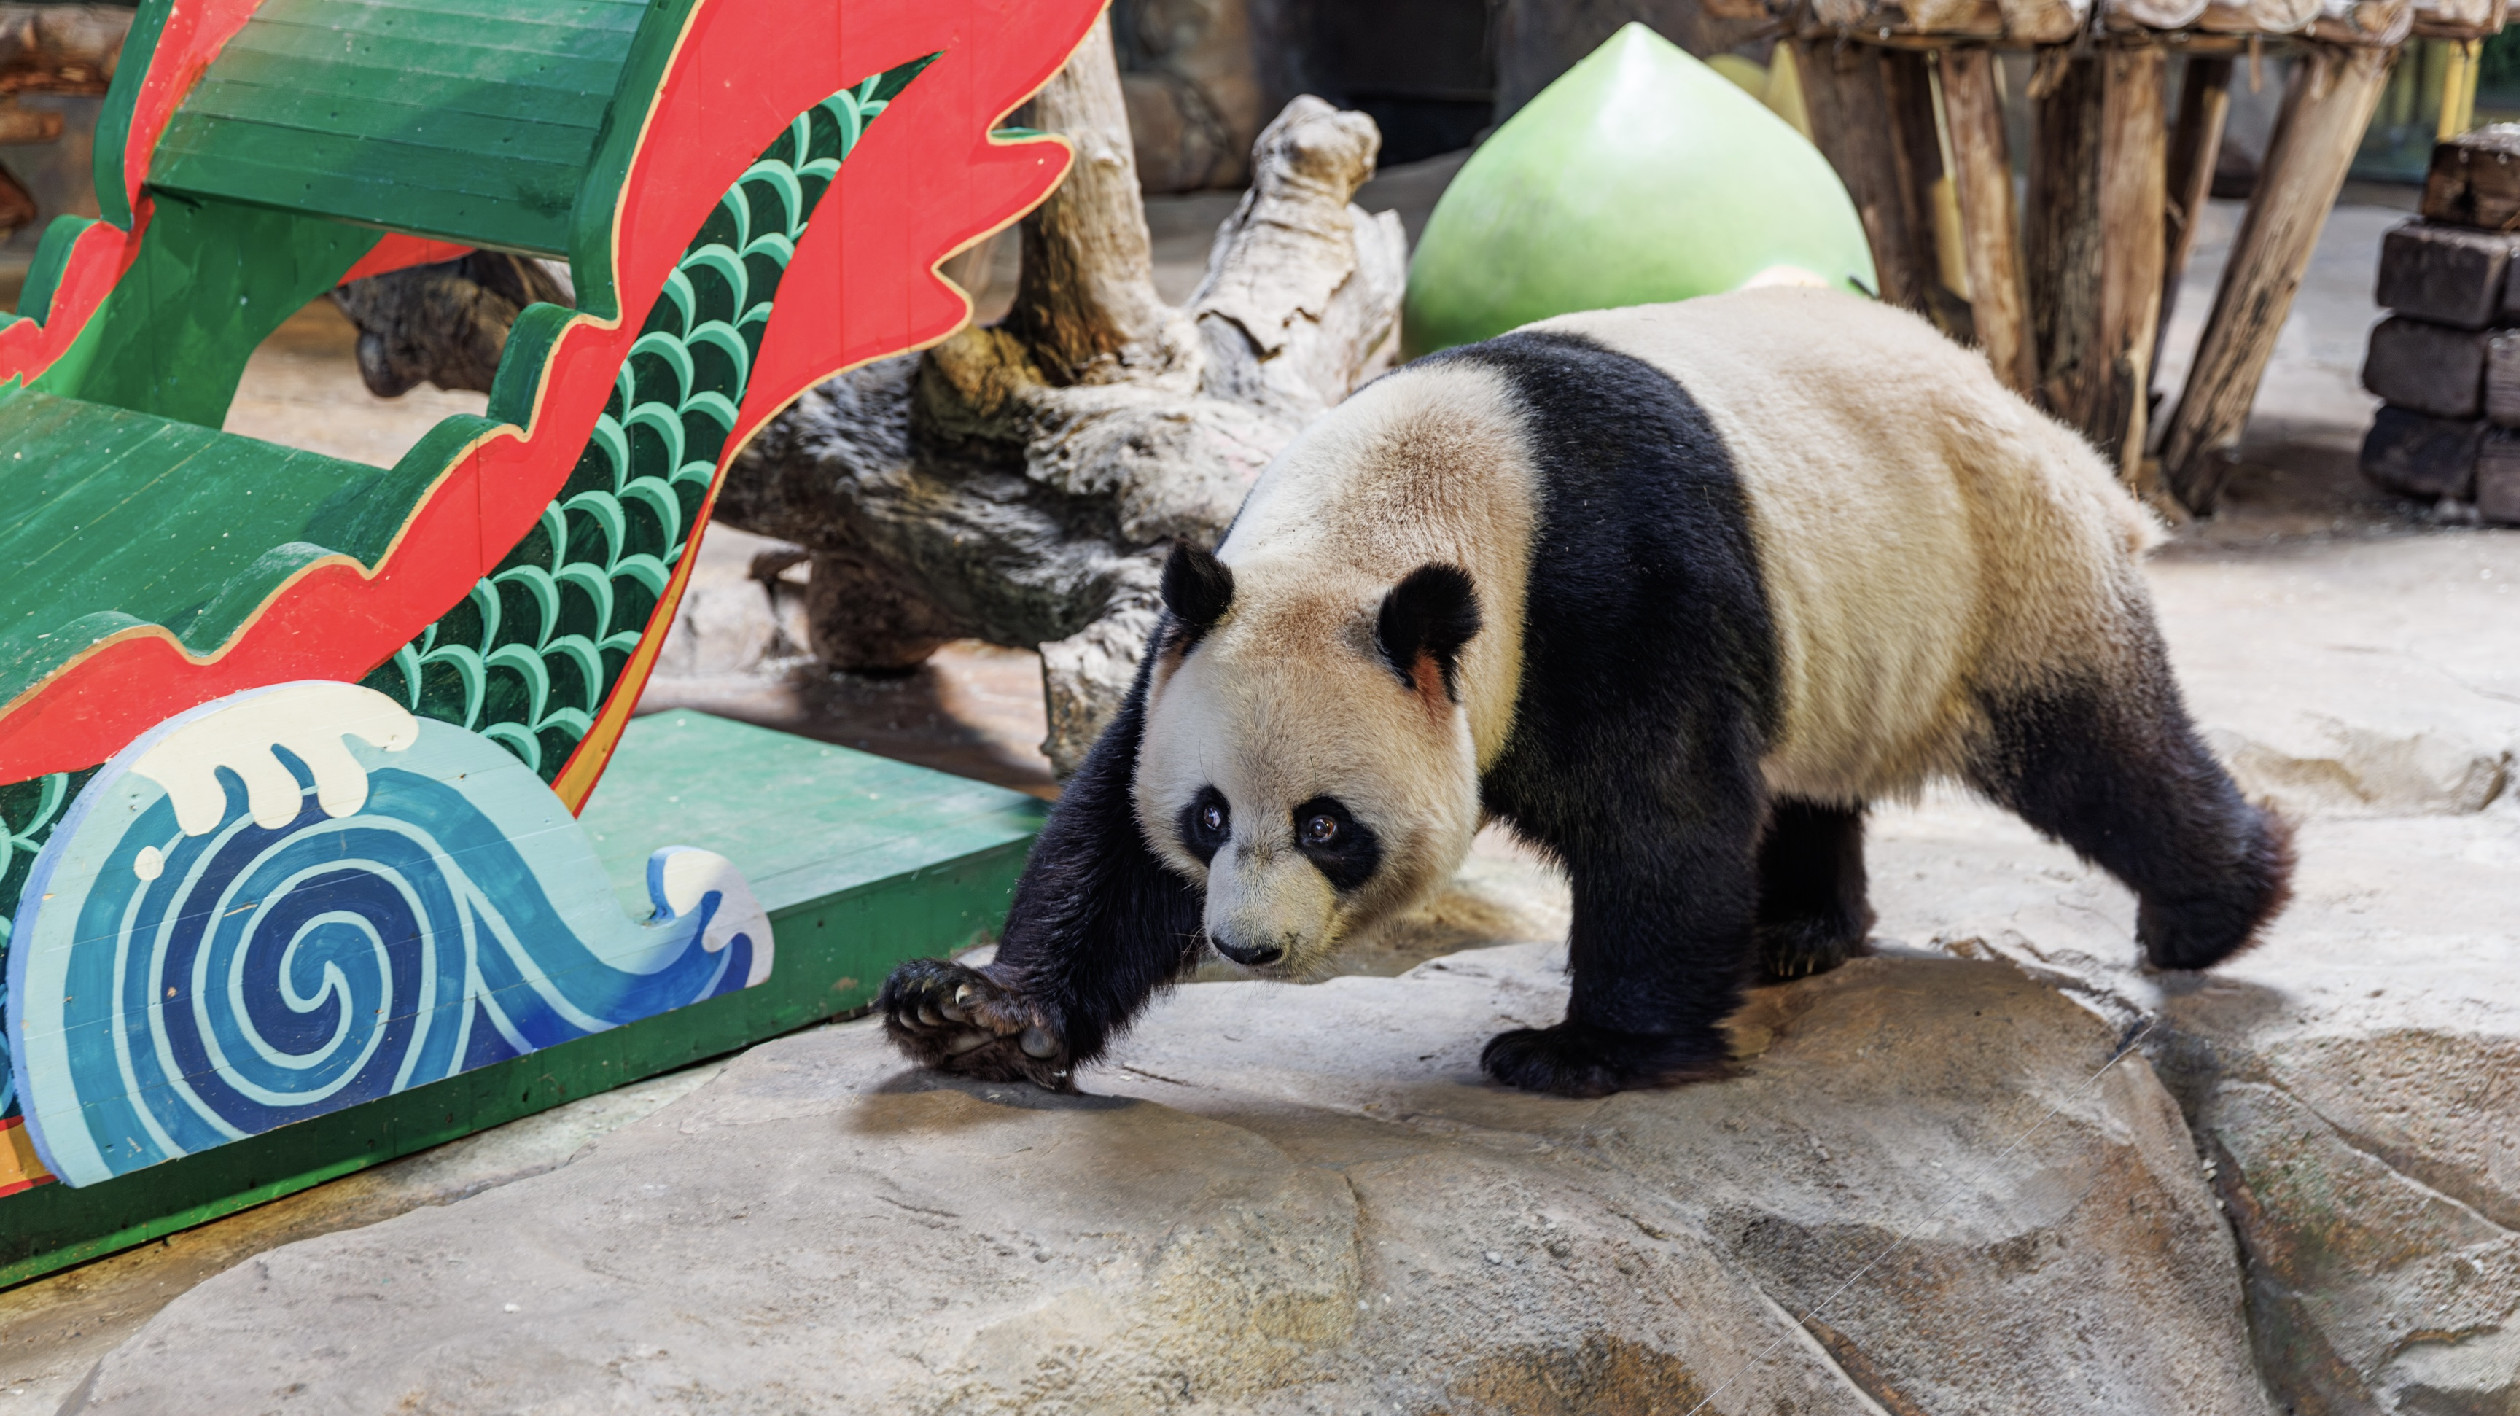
(1251, 956)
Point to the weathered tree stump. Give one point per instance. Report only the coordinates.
(2418, 455)
(2427, 367)
(2448, 275)
(1020, 483)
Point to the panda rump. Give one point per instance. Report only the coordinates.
(1674, 592)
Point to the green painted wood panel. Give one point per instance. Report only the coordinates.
(210, 283)
(860, 862)
(810, 824)
(115, 518)
(471, 120)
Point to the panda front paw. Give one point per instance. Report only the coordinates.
(1576, 1059)
(960, 1020)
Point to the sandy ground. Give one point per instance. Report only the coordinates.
(2305, 556)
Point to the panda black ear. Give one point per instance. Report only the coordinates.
(1198, 588)
(1425, 621)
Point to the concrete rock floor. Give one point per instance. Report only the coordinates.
(2358, 661)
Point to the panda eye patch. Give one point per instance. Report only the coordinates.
(1206, 824)
(1341, 847)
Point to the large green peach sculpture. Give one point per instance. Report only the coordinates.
(1641, 175)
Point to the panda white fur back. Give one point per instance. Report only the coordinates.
(1924, 534)
(1674, 591)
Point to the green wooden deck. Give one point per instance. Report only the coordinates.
(470, 120)
(861, 863)
(125, 519)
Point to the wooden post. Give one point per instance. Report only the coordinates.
(2096, 244)
(2195, 142)
(1916, 144)
(2326, 107)
(2132, 200)
(2060, 232)
(1990, 227)
(1865, 106)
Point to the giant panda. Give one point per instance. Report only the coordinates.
(1674, 592)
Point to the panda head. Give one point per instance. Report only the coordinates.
(1305, 752)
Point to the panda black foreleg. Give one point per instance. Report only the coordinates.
(1097, 927)
(1813, 914)
(2113, 768)
(1664, 869)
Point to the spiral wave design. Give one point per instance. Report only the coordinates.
(216, 986)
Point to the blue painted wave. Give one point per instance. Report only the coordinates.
(173, 992)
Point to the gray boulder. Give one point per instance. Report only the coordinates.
(2351, 1081)
(1931, 1189)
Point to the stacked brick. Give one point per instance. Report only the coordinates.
(2447, 359)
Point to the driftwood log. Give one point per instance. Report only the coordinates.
(1020, 483)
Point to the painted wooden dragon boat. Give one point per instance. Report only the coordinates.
(291, 748)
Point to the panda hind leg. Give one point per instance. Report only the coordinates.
(2114, 769)
(1813, 914)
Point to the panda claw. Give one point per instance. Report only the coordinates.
(957, 1019)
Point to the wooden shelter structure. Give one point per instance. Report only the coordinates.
(2067, 289)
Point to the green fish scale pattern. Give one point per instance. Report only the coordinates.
(28, 813)
(528, 658)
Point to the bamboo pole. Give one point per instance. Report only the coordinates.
(2458, 89)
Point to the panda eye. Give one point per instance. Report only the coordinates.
(1205, 823)
(1341, 847)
